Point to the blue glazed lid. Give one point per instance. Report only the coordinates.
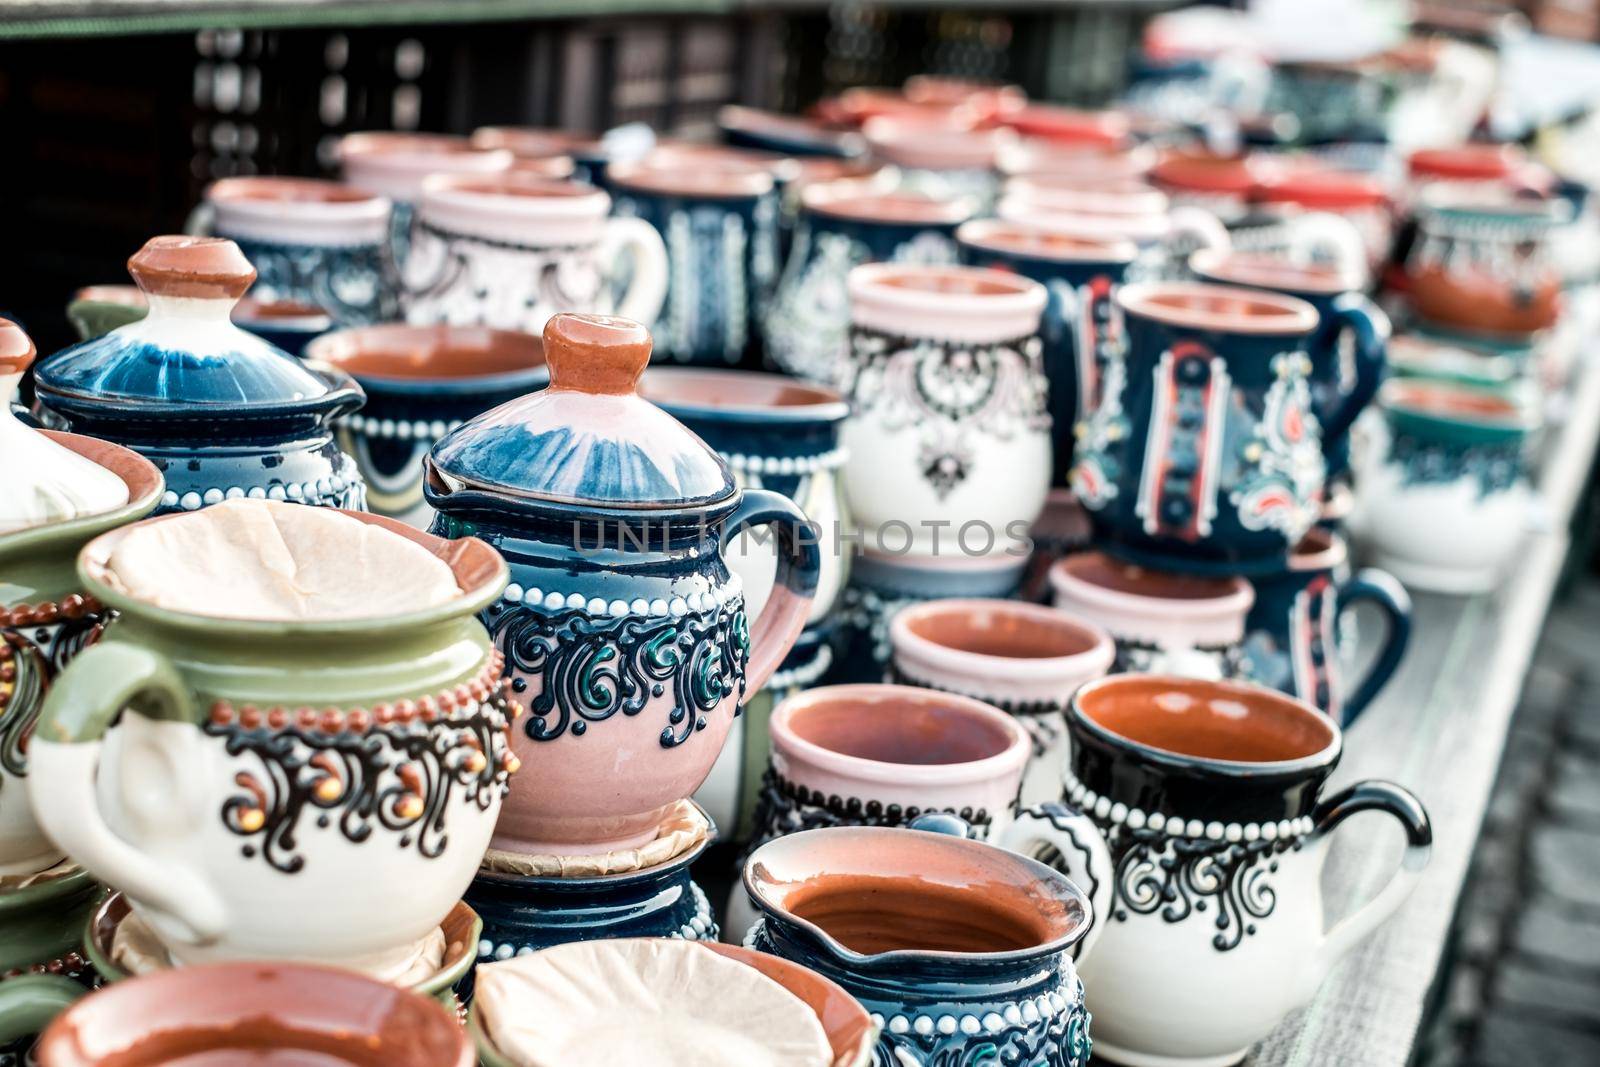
(186, 358)
(589, 440)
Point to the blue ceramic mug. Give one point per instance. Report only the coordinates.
(1203, 453)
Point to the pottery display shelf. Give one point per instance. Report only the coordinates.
(1440, 726)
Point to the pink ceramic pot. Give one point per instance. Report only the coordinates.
(396, 164)
(1026, 659)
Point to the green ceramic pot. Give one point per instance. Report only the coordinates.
(41, 966)
(99, 309)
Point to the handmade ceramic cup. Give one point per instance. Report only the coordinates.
(98, 309)
(509, 251)
(265, 1012)
(313, 241)
(1446, 499)
(42, 965)
(1360, 199)
(220, 412)
(1223, 185)
(626, 635)
(841, 226)
(719, 222)
(1296, 627)
(949, 427)
(1341, 387)
(961, 951)
(1162, 622)
(1117, 210)
(421, 383)
(939, 162)
(789, 135)
(1204, 452)
(1079, 274)
(1025, 659)
(269, 785)
(1195, 814)
(396, 165)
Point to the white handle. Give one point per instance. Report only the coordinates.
(202, 220)
(1321, 237)
(1186, 220)
(647, 288)
(1062, 837)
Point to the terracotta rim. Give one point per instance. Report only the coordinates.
(1266, 271)
(1468, 162)
(848, 199)
(948, 290)
(1455, 403)
(1096, 644)
(741, 393)
(1318, 550)
(1324, 190)
(1037, 241)
(420, 347)
(1066, 575)
(720, 180)
(1069, 195)
(529, 142)
(1193, 306)
(276, 190)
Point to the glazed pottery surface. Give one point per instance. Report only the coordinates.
(1360, 199)
(1204, 452)
(1195, 815)
(396, 165)
(272, 1012)
(271, 784)
(314, 241)
(1297, 628)
(510, 251)
(1163, 622)
(773, 131)
(961, 951)
(949, 427)
(626, 635)
(422, 382)
(289, 324)
(42, 966)
(940, 162)
(221, 413)
(1445, 499)
(1025, 659)
(98, 309)
(840, 227)
(1079, 274)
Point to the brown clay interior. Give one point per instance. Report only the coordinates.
(690, 174)
(293, 190)
(729, 389)
(1276, 272)
(1028, 241)
(952, 282)
(1099, 569)
(887, 913)
(893, 207)
(1207, 720)
(519, 184)
(1449, 402)
(907, 729)
(252, 310)
(997, 632)
(430, 352)
(1230, 305)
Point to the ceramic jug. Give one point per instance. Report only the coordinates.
(625, 634)
(221, 413)
(1195, 814)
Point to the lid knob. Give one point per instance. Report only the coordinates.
(205, 268)
(16, 348)
(595, 353)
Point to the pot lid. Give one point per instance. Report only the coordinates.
(186, 353)
(589, 439)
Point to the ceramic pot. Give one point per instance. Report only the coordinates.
(269, 1011)
(775, 433)
(42, 967)
(949, 427)
(318, 242)
(1341, 387)
(625, 633)
(422, 382)
(944, 163)
(840, 227)
(1060, 530)
(1445, 499)
(1079, 274)
(395, 165)
(1360, 199)
(98, 309)
(789, 135)
(273, 782)
(509, 251)
(1162, 622)
(719, 224)
(221, 413)
(286, 324)
(862, 104)
(1090, 162)
(1296, 628)
(1025, 659)
(1195, 812)
(1453, 361)
(961, 951)
(1222, 185)
(1204, 453)
(1069, 128)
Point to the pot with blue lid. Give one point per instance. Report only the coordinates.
(625, 633)
(221, 412)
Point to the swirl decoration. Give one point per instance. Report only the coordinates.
(1178, 877)
(1058, 1040)
(785, 807)
(36, 643)
(353, 283)
(1494, 468)
(397, 776)
(589, 667)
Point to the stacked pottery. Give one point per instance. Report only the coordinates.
(220, 412)
(395, 165)
(422, 382)
(940, 162)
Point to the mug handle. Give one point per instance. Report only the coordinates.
(1335, 237)
(1370, 327)
(1382, 589)
(64, 761)
(1372, 795)
(799, 564)
(1061, 836)
(1200, 224)
(647, 290)
(28, 1002)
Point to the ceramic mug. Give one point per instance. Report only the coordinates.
(1025, 659)
(41, 954)
(396, 165)
(272, 784)
(422, 382)
(1446, 498)
(939, 162)
(509, 251)
(1204, 453)
(1296, 627)
(288, 324)
(313, 241)
(949, 428)
(1162, 622)
(719, 222)
(961, 951)
(1195, 812)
